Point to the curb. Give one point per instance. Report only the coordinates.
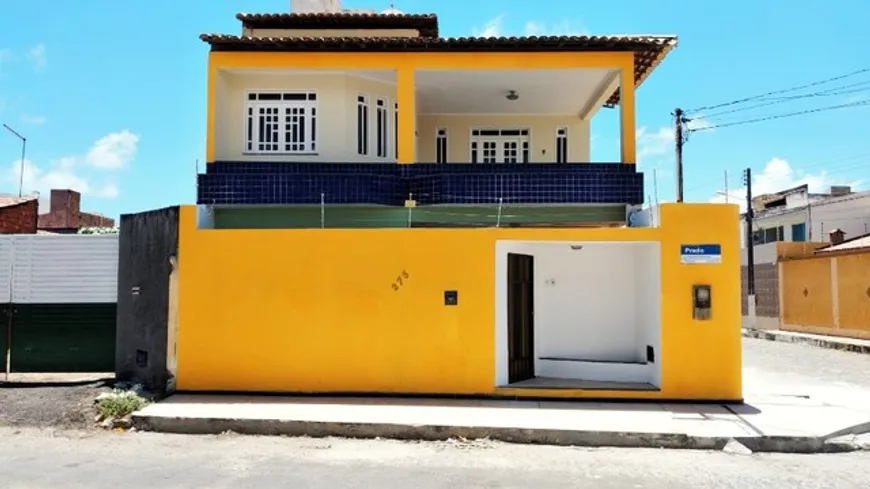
(831, 344)
(615, 439)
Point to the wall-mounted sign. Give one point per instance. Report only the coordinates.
(701, 254)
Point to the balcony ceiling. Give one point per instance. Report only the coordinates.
(545, 92)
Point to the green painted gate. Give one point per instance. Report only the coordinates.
(4, 335)
(63, 338)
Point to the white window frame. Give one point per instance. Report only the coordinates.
(441, 135)
(382, 140)
(251, 116)
(394, 144)
(561, 136)
(363, 134)
(523, 150)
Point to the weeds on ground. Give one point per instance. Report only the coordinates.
(119, 404)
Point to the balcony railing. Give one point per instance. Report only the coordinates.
(426, 183)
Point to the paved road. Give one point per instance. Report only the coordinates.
(809, 362)
(36, 460)
(833, 377)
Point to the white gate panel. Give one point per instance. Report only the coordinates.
(6, 248)
(65, 269)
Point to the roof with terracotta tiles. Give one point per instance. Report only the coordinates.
(648, 50)
(426, 24)
(858, 243)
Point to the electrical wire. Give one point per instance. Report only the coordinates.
(781, 116)
(844, 90)
(777, 92)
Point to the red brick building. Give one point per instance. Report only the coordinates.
(18, 215)
(65, 215)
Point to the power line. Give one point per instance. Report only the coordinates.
(782, 116)
(843, 90)
(776, 92)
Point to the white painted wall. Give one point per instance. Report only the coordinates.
(59, 268)
(542, 135)
(585, 302)
(600, 303)
(336, 121)
(648, 297)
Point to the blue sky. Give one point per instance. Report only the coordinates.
(111, 95)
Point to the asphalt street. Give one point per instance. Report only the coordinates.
(32, 458)
(96, 460)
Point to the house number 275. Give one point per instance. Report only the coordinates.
(400, 280)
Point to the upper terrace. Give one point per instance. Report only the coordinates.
(335, 88)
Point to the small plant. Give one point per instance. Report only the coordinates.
(98, 230)
(119, 404)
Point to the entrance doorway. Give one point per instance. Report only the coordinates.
(500, 146)
(521, 317)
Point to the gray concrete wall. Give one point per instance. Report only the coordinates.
(147, 242)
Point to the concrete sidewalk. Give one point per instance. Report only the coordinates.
(822, 341)
(777, 424)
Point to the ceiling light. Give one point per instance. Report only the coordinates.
(512, 95)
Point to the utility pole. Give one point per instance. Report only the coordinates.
(23, 154)
(726, 186)
(678, 134)
(750, 250)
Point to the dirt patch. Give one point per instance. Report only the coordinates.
(50, 405)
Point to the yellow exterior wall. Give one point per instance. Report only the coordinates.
(405, 65)
(314, 310)
(542, 135)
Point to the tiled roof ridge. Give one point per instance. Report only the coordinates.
(244, 16)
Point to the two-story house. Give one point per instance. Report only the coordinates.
(372, 126)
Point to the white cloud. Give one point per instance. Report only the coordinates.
(698, 123)
(36, 120)
(779, 175)
(38, 56)
(493, 28)
(662, 140)
(562, 28)
(113, 151)
(653, 143)
(57, 176)
(110, 152)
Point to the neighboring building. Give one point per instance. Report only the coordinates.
(343, 120)
(65, 215)
(18, 215)
(796, 215)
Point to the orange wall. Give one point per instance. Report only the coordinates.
(853, 279)
(806, 292)
(837, 299)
